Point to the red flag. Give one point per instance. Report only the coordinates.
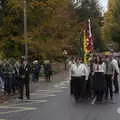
(89, 38)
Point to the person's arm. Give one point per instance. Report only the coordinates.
(86, 72)
(116, 68)
(104, 67)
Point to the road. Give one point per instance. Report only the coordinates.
(52, 102)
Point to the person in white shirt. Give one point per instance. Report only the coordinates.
(90, 78)
(116, 73)
(79, 74)
(99, 78)
(70, 64)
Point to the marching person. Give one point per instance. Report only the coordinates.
(24, 72)
(90, 78)
(99, 78)
(36, 70)
(7, 76)
(47, 70)
(115, 76)
(108, 76)
(71, 76)
(79, 75)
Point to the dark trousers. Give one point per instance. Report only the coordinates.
(79, 87)
(116, 85)
(99, 94)
(99, 85)
(48, 76)
(24, 83)
(109, 89)
(7, 84)
(89, 86)
(72, 85)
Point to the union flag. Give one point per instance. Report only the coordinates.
(89, 38)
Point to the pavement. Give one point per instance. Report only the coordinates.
(51, 101)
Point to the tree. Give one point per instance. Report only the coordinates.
(53, 25)
(90, 9)
(111, 30)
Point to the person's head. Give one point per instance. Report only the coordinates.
(77, 60)
(25, 62)
(80, 60)
(98, 60)
(109, 58)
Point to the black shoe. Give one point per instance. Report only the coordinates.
(20, 98)
(116, 92)
(28, 98)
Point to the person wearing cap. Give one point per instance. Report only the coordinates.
(36, 70)
(24, 72)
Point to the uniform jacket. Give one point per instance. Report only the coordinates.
(24, 72)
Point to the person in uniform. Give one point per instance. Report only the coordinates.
(116, 73)
(7, 73)
(80, 74)
(90, 78)
(108, 76)
(47, 70)
(36, 70)
(99, 79)
(71, 76)
(24, 72)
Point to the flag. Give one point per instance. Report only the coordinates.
(85, 47)
(89, 42)
(85, 42)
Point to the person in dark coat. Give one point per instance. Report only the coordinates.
(7, 76)
(36, 70)
(47, 70)
(24, 72)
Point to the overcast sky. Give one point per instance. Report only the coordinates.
(104, 4)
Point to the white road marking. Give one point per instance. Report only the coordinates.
(36, 101)
(63, 87)
(19, 109)
(42, 95)
(63, 84)
(56, 86)
(49, 91)
(118, 110)
(28, 102)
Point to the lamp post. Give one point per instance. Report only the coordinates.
(0, 4)
(25, 29)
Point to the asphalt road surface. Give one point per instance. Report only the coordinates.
(53, 102)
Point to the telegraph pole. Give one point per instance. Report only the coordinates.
(25, 29)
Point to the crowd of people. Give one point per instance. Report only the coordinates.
(15, 76)
(95, 80)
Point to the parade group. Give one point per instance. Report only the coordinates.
(15, 76)
(96, 80)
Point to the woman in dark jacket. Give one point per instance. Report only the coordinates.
(47, 70)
